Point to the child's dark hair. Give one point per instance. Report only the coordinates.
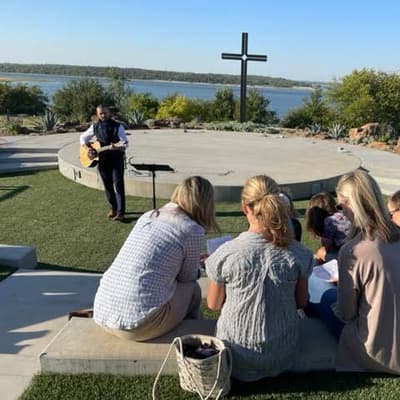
(321, 205)
(325, 201)
(314, 219)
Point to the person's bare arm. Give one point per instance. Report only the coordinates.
(301, 292)
(215, 296)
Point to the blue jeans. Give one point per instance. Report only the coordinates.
(326, 313)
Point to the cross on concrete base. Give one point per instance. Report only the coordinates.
(243, 57)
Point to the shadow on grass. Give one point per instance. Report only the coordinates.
(229, 214)
(11, 191)
(301, 212)
(331, 382)
(53, 267)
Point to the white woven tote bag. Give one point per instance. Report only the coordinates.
(208, 377)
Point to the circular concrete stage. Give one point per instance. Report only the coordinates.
(301, 165)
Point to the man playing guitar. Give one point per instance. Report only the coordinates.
(111, 134)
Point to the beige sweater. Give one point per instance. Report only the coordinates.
(369, 303)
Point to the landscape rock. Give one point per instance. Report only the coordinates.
(364, 133)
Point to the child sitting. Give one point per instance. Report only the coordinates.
(328, 224)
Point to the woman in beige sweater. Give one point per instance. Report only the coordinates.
(369, 280)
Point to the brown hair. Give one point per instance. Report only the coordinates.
(195, 196)
(395, 199)
(320, 206)
(325, 201)
(261, 194)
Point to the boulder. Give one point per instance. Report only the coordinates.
(364, 133)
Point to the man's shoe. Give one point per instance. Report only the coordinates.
(119, 217)
(85, 313)
(112, 214)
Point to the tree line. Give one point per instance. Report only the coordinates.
(147, 74)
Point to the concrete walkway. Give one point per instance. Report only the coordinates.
(34, 308)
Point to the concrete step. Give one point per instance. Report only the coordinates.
(83, 347)
(28, 157)
(33, 149)
(7, 168)
(18, 256)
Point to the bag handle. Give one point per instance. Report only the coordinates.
(196, 385)
(153, 392)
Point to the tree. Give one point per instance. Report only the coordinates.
(257, 108)
(119, 90)
(367, 96)
(78, 99)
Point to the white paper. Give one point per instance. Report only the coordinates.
(317, 287)
(214, 243)
(322, 279)
(327, 272)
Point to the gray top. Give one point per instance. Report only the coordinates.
(259, 319)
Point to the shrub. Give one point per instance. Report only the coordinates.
(223, 105)
(146, 103)
(12, 126)
(78, 99)
(257, 108)
(21, 99)
(176, 106)
(297, 118)
(314, 110)
(236, 126)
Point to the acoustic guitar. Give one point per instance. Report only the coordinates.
(92, 162)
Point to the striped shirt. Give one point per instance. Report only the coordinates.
(259, 318)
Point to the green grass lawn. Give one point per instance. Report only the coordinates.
(66, 223)
(312, 386)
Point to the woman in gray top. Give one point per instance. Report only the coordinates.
(258, 280)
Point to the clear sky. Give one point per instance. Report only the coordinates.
(315, 40)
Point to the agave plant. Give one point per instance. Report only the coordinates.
(337, 131)
(315, 128)
(47, 121)
(136, 118)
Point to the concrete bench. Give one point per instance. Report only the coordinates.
(18, 256)
(83, 347)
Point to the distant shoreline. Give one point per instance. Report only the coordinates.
(21, 79)
(147, 74)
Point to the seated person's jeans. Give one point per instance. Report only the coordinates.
(323, 310)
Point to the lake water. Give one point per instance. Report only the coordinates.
(281, 99)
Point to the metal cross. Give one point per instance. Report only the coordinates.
(244, 57)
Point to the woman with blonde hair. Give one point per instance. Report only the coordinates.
(258, 280)
(368, 294)
(151, 285)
